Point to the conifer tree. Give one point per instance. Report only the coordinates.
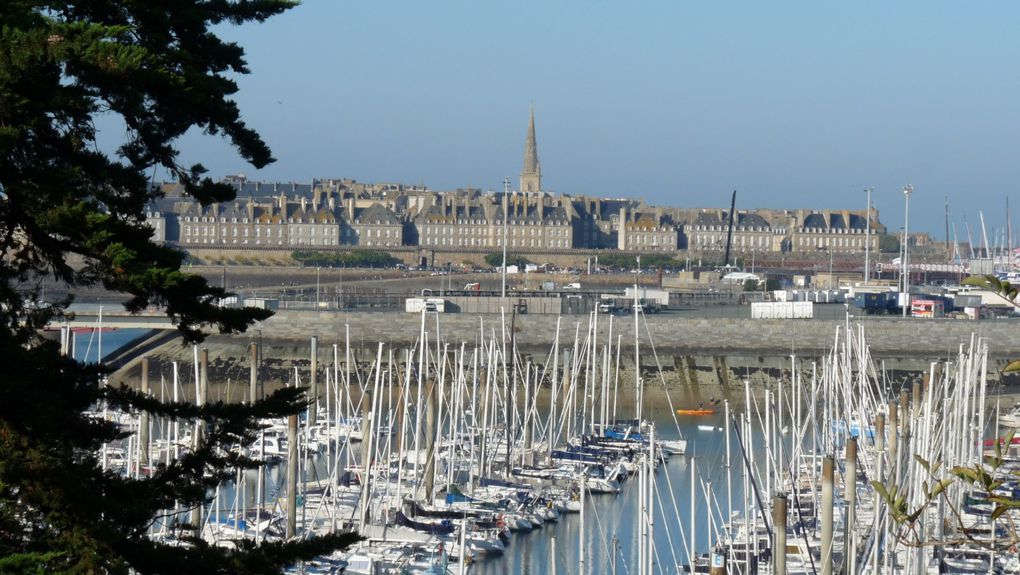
(72, 213)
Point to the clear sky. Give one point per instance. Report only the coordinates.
(793, 104)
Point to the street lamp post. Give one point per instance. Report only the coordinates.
(317, 268)
(907, 190)
(506, 207)
(867, 240)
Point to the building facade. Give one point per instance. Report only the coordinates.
(343, 212)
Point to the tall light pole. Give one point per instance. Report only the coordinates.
(867, 240)
(506, 217)
(317, 268)
(907, 190)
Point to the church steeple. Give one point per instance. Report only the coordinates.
(531, 175)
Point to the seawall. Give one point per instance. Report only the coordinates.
(702, 356)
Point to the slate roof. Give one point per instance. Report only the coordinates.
(375, 214)
(815, 221)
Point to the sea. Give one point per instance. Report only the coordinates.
(610, 533)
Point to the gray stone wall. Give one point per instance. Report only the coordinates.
(888, 337)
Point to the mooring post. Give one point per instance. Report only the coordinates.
(432, 400)
(894, 428)
(292, 473)
(718, 565)
(904, 410)
(850, 485)
(779, 533)
(828, 482)
(880, 476)
(253, 361)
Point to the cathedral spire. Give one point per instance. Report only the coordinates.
(531, 175)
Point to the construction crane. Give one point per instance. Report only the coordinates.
(729, 232)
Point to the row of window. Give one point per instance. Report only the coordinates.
(652, 239)
(832, 242)
(497, 242)
(835, 231)
(454, 230)
(742, 240)
(295, 230)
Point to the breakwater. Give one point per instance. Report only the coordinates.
(696, 354)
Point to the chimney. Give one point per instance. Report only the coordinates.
(331, 201)
(350, 209)
(304, 203)
(283, 204)
(621, 234)
(316, 199)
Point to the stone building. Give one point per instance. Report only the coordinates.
(830, 230)
(157, 220)
(373, 227)
(536, 221)
(312, 223)
(646, 231)
(751, 232)
(339, 211)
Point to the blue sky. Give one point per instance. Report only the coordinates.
(793, 104)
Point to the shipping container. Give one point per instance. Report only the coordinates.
(782, 310)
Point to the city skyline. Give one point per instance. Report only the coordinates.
(790, 105)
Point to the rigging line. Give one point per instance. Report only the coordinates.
(754, 483)
(796, 496)
(676, 511)
(662, 379)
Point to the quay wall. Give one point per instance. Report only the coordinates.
(888, 337)
(701, 358)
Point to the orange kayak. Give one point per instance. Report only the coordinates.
(695, 412)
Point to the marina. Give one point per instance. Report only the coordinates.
(443, 457)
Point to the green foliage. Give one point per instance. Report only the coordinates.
(496, 260)
(888, 244)
(987, 476)
(75, 214)
(1004, 290)
(994, 284)
(351, 259)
